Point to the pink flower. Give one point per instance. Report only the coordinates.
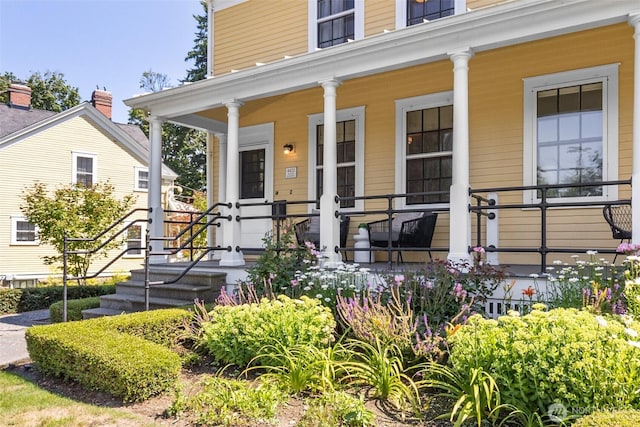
(478, 249)
(398, 278)
(294, 283)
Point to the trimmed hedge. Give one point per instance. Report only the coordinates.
(629, 418)
(74, 308)
(29, 299)
(113, 354)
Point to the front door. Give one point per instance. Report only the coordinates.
(256, 183)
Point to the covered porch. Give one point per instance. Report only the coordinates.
(281, 105)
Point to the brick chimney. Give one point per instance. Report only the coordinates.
(102, 100)
(19, 96)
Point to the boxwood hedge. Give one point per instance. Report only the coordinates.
(125, 355)
(29, 299)
(74, 308)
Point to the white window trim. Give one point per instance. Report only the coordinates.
(608, 75)
(137, 170)
(403, 106)
(143, 228)
(460, 6)
(358, 23)
(357, 114)
(14, 233)
(76, 154)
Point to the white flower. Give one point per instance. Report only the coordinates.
(631, 332)
(307, 288)
(601, 321)
(592, 252)
(557, 262)
(534, 275)
(319, 296)
(575, 256)
(327, 299)
(573, 279)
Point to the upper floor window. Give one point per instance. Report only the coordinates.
(84, 169)
(349, 152)
(424, 128)
(23, 232)
(412, 12)
(141, 179)
(334, 22)
(571, 131)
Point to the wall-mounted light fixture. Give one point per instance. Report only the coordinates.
(288, 148)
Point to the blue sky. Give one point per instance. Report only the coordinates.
(108, 43)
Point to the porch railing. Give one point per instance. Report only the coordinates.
(484, 203)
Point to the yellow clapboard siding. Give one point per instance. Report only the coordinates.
(379, 15)
(47, 157)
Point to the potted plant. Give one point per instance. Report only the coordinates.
(363, 228)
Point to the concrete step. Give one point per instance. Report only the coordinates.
(133, 303)
(196, 276)
(173, 291)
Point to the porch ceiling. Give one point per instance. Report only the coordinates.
(502, 25)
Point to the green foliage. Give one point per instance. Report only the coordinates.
(380, 367)
(562, 356)
(165, 327)
(632, 285)
(336, 408)
(627, 418)
(236, 334)
(229, 402)
(120, 364)
(275, 269)
(300, 368)
(74, 308)
(49, 91)
(78, 212)
(29, 299)
(199, 52)
(475, 393)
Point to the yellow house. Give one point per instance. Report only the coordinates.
(432, 105)
(81, 144)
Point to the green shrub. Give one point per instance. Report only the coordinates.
(562, 356)
(629, 418)
(165, 327)
(229, 402)
(74, 308)
(29, 299)
(121, 364)
(236, 334)
(336, 408)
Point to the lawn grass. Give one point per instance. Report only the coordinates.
(24, 404)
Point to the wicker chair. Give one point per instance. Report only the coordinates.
(619, 219)
(405, 230)
(309, 230)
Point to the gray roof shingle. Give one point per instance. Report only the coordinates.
(14, 119)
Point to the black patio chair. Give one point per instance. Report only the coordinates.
(308, 230)
(619, 219)
(405, 230)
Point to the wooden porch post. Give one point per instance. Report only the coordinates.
(329, 224)
(459, 219)
(222, 186)
(232, 229)
(634, 21)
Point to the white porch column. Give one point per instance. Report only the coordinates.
(154, 196)
(459, 219)
(329, 224)
(634, 21)
(222, 186)
(209, 186)
(232, 229)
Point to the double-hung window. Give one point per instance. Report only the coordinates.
(134, 243)
(334, 22)
(349, 152)
(424, 128)
(23, 232)
(412, 12)
(141, 179)
(84, 169)
(570, 132)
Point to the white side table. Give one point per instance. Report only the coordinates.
(361, 241)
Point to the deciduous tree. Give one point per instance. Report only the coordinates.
(77, 212)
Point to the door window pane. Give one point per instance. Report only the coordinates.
(252, 174)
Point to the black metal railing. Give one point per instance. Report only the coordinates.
(543, 202)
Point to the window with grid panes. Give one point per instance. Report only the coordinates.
(429, 160)
(252, 174)
(134, 240)
(430, 10)
(570, 138)
(346, 153)
(336, 22)
(84, 171)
